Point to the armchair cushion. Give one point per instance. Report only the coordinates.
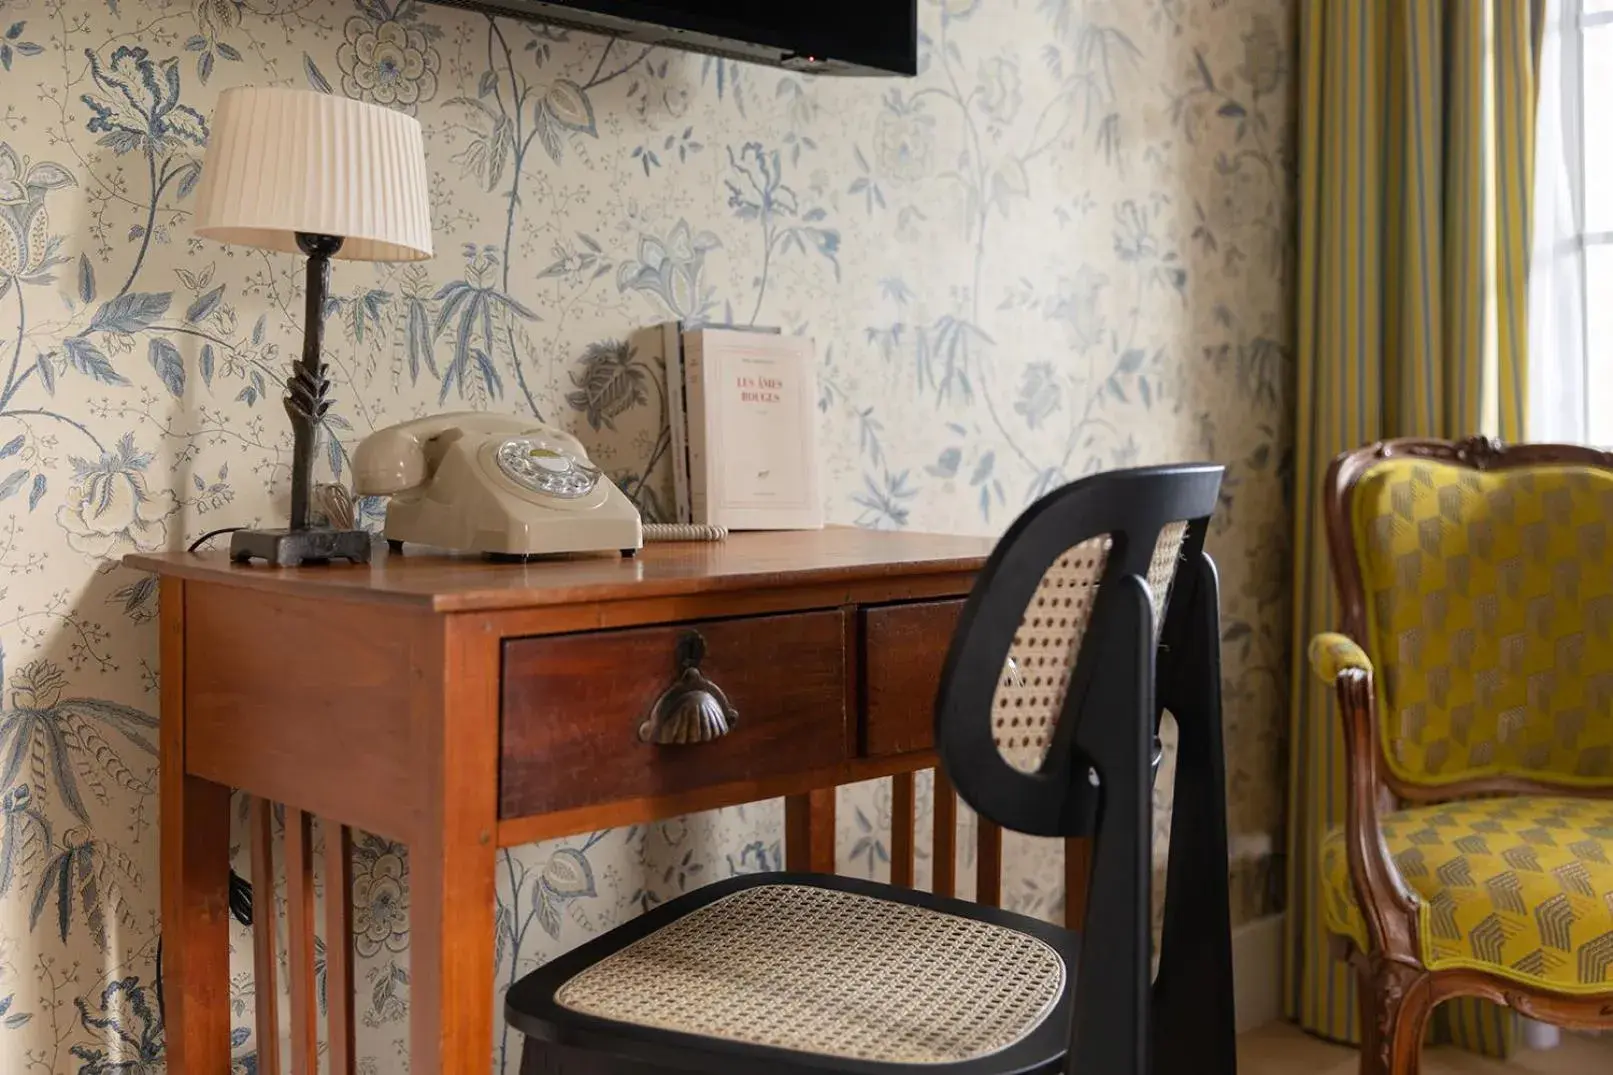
(1520, 887)
(1489, 617)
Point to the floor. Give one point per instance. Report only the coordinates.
(1281, 1049)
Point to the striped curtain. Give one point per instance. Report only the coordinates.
(1416, 125)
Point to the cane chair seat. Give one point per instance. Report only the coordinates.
(796, 973)
(810, 969)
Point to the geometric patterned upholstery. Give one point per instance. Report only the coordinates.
(1521, 887)
(1489, 608)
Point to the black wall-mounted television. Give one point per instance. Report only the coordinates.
(839, 37)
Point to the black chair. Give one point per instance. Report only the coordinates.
(1045, 718)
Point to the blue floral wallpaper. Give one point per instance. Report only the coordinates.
(1062, 247)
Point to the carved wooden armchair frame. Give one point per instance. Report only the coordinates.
(1397, 991)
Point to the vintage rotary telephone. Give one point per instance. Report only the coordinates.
(495, 484)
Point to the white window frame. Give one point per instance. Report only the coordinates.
(1596, 395)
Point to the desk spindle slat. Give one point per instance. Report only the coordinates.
(945, 855)
(260, 821)
(902, 811)
(809, 831)
(989, 864)
(300, 942)
(339, 946)
(1077, 866)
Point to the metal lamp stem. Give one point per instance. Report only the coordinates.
(307, 386)
(306, 389)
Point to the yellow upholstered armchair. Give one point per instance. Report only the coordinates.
(1475, 682)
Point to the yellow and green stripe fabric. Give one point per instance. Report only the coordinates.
(1416, 142)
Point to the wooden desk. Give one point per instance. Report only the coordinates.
(461, 706)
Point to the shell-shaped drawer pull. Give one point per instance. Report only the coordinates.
(693, 709)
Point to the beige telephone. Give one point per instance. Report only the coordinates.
(493, 483)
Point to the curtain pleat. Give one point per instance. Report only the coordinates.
(1415, 147)
(1516, 49)
(1462, 187)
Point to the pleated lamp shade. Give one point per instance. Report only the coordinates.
(283, 161)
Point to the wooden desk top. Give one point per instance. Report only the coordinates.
(444, 582)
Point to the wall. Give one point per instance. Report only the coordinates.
(1061, 248)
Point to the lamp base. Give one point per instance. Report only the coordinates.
(288, 548)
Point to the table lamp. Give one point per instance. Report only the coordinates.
(294, 170)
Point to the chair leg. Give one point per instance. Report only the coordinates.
(1394, 1000)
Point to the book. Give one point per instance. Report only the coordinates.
(677, 427)
(750, 424)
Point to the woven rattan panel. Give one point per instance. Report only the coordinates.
(1031, 692)
(833, 973)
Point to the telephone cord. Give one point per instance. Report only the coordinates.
(683, 532)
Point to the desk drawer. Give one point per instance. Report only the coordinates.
(574, 705)
(904, 647)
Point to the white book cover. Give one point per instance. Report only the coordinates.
(752, 430)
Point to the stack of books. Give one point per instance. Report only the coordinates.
(742, 408)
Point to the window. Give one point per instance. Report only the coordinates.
(1587, 131)
(1595, 196)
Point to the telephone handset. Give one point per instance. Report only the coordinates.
(493, 483)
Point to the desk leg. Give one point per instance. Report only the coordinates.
(195, 854)
(195, 925)
(451, 863)
(451, 961)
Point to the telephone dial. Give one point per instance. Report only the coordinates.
(495, 484)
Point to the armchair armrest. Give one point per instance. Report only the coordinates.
(1332, 653)
(1388, 907)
